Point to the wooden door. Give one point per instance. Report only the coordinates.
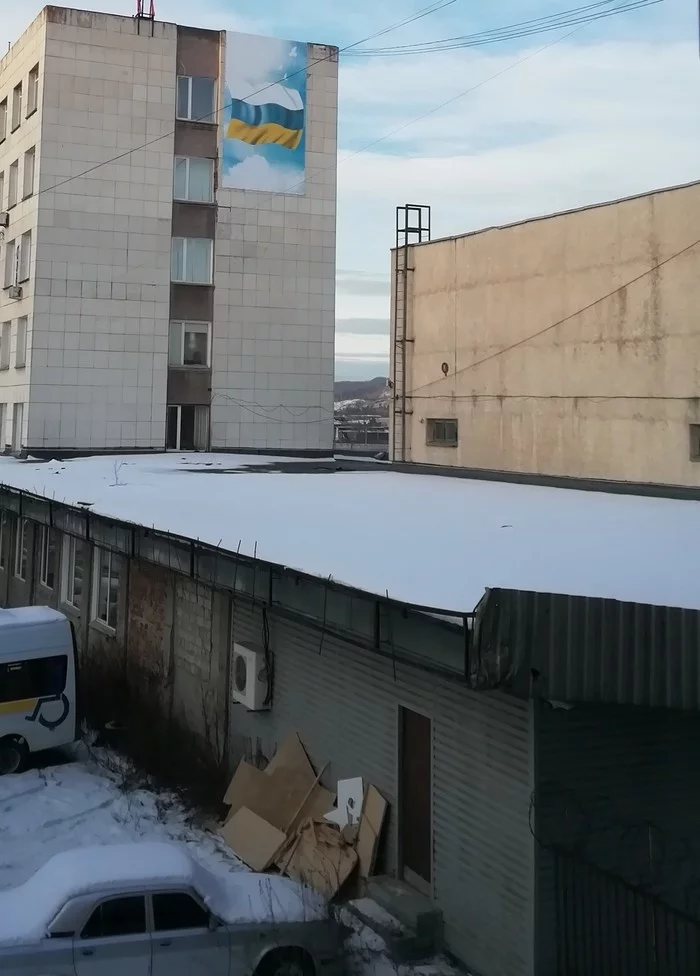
(415, 791)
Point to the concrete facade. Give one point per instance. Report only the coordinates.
(99, 299)
(560, 346)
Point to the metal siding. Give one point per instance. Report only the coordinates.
(344, 703)
(615, 783)
(581, 649)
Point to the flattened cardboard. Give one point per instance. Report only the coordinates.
(253, 839)
(320, 859)
(373, 814)
(291, 755)
(317, 804)
(246, 781)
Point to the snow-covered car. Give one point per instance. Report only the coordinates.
(149, 909)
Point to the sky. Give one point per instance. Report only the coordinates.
(609, 111)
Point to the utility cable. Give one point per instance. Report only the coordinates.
(565, 319)
(426, 11)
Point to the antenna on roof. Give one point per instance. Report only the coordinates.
(141, 14)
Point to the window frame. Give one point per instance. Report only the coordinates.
(17, 94)
(17, 412)
(29, 154)
(3, 119)
(178, 407)
(47, 543)
(13, 184)
(114, 560)
(431, 440)
(20, 563)
(185, 242)
(188, 160)
(21, 342)
(197, 327)
(211, 118)
(5, 344)
(32, 90)
(10, 270)
(24, 265)
(67, 581)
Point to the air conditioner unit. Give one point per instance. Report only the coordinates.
(15, 291)
(4, 218)
(250, 678)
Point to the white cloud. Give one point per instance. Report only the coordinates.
(256, 173)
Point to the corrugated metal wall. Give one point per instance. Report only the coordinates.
(620, 785)
(344, 703)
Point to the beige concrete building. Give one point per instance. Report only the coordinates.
(167, 238)
(566, 345)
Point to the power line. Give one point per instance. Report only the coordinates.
(566, 318)
(426, 11)
(577, 15)
(595, 397)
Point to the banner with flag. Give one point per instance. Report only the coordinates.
(264, 116)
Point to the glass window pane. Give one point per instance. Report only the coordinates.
(187, 428)
(183, 95)
(175, 344)
(113, 593)
(178, 259)
(195, 352)
(180, 179)
(203, 99)
(103, 586)
(199, 260)
(178, 910)
(200, 188)
(171, 431)
(121, 916)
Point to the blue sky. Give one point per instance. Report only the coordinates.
(610, 111)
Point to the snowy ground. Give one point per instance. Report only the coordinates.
(46, 811)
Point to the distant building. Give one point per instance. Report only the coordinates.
(168, 263)
(565, 345)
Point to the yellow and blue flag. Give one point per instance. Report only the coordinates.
(278, 120)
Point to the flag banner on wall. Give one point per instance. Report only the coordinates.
(264, 116)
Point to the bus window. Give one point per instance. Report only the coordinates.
(42, 677)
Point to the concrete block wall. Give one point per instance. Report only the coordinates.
(101, 318)
(274, 300)
(15, 66)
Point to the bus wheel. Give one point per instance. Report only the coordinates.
(13, 755)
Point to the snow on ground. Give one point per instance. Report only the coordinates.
(428, 540)
(84, 803)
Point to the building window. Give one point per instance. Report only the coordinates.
(73, 572)
(189, 344)
(105, 591)
(3, 422)
(187, 428)
(25, 253)
(193, 180)
(17, 423)
(16, 107)
(47, 557)
(195, 99)
(441, 433)
(694, 430)
(21, 343)
(21, 548)
(12, 184)
(10, 264)
(4, 537)
(3, 119)
(191, 260)
(28, 173)
(2, 189)
(33, 90)
(5, 336)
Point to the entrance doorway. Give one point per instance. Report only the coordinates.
(187, 428)
(415, 798)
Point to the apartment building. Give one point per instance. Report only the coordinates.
(168, 206)
(565, 345)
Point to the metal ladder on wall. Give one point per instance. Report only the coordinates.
(412, 227)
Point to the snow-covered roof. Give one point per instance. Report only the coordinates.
(422, 539)
(27, 911)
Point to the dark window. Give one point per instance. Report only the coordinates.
(178, 910)
(694, 442)
(120, 916)
(41, 678)
(441, 433)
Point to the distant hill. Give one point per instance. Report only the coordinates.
(361, 389)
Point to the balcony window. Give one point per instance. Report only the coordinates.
(189, 344)
(192, 260)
